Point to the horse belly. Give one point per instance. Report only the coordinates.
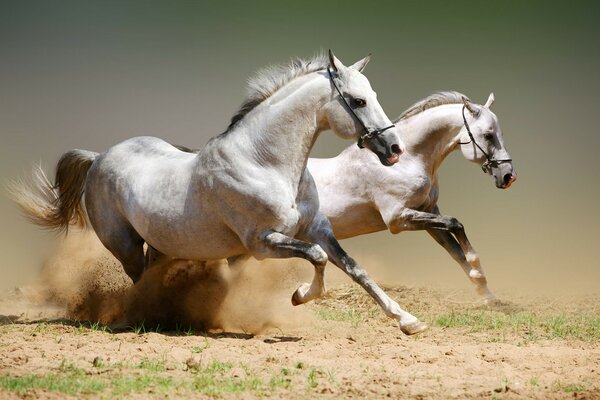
(197, 240)
(355, 221)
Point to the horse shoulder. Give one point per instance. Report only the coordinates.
(405, 186)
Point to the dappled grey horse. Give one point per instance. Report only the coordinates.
(247, 192)
(359, 197)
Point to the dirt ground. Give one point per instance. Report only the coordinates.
(91, 334)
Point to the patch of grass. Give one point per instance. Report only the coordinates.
(281, 380)
(534, 381)
(126, 384)
(83, 327)
(70, 380)
(139, 329)
(152, 365)
(570, 387)
(312, 378)
(214, 380)
(352, 315)
(528, 325)
(200, 349)
(180, 330)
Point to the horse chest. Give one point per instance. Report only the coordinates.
(427, 200)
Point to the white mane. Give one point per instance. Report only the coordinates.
(270, 79)
(434, 100)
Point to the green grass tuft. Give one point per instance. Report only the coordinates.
(528, 325)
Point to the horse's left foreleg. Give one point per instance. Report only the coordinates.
(277, 245)
(448, 242)
(450, 233)
(322, 233)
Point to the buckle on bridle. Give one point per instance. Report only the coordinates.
(491, 163)
(367, 135)
(371, 135)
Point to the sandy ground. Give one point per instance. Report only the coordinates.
(186, 332)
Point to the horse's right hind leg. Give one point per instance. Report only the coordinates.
(126, 245)
(154, 257)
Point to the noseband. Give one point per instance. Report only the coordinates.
(366, 135)
(490, 162)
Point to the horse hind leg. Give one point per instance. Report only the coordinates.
(125, 244)
(129, 250)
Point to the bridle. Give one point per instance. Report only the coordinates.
(490, 162)
(367, 135)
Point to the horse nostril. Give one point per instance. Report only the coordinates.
(396, 149)
(507, 178)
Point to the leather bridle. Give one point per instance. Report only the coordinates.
(366, 135)
(490, 162)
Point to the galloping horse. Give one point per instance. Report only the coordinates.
(404, 197)
(247, 192)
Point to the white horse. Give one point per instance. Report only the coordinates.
(246, 193)
(358, 196)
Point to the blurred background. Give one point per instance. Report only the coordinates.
(84, 74)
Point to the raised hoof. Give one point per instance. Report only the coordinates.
(299, 296)
(414, 328)
(295, 299)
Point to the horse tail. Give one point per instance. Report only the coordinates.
(55, 206)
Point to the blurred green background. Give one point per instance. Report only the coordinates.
(84, 74)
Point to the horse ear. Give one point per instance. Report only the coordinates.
(361, 64)
(473, 109)
(489, 101)
(335, 64)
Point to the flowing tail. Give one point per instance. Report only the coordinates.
(55, 206)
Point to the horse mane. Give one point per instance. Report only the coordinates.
(431, 101)
(270, 79)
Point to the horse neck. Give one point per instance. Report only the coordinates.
(281, 131)
(433, 134)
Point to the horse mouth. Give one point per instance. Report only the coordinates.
(507, 184)
(391, 160)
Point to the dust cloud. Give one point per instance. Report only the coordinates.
(87, 283)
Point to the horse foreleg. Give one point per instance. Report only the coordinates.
(278, 245)
(322, 233)
(412, 220)
(448, 242)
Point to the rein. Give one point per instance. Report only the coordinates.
(490, 162)
(367, 135)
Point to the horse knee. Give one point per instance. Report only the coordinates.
(317, 256)
(455, 225)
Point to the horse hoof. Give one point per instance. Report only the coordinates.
(299, 296)
(295, 300)
(414, 328)
(492, 302)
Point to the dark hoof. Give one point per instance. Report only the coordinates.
(295, 299)
(414, 328)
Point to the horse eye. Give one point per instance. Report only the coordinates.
(488, 136)
(359, 102)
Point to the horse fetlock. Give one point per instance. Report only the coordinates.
(473, 259)
(455, 225)
(475, 273)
